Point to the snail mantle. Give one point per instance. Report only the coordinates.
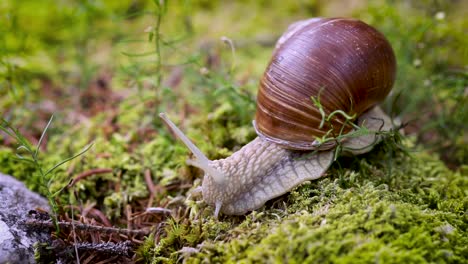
(350, 67)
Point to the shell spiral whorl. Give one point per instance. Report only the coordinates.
(345, 63)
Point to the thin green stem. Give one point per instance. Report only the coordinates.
(46, 178)
(157, 42)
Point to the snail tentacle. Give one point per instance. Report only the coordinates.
(200, 161)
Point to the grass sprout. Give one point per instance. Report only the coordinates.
(358, 130)
(27, 152)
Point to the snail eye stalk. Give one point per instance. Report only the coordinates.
(200, 161)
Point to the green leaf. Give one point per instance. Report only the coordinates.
(42, 136)
(68, 159)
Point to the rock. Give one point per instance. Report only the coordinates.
(16, 239)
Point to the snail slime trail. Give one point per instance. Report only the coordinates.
(357, 67)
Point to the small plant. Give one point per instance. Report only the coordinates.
(27, 152)
(362, 130)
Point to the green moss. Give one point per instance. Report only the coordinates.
(364, 227)
(181, 236)
(413, 213)
(24, 171)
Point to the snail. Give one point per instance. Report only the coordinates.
(348, 67)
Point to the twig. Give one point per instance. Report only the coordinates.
(90, 210)
(120, 248)
(88, 227)
(128, 210)
(77, 255)
(149, 182)
(87, 174)
(158, 210)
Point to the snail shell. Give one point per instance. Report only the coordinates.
(347, 66)
(344, 63)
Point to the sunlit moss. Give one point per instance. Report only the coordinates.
(417, 213)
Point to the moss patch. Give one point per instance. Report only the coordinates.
(363, 211)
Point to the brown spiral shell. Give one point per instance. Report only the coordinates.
(344, 63)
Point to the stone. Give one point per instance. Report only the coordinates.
(16, 238)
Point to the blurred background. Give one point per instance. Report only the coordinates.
(110, 61)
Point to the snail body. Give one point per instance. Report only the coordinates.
(307, 63)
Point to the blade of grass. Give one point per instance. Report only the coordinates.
(42, 136)
(5, 128)
(86, 148)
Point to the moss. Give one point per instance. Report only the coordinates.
(24, 171)
(365, 227)
(181, 236)
(413, 213)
